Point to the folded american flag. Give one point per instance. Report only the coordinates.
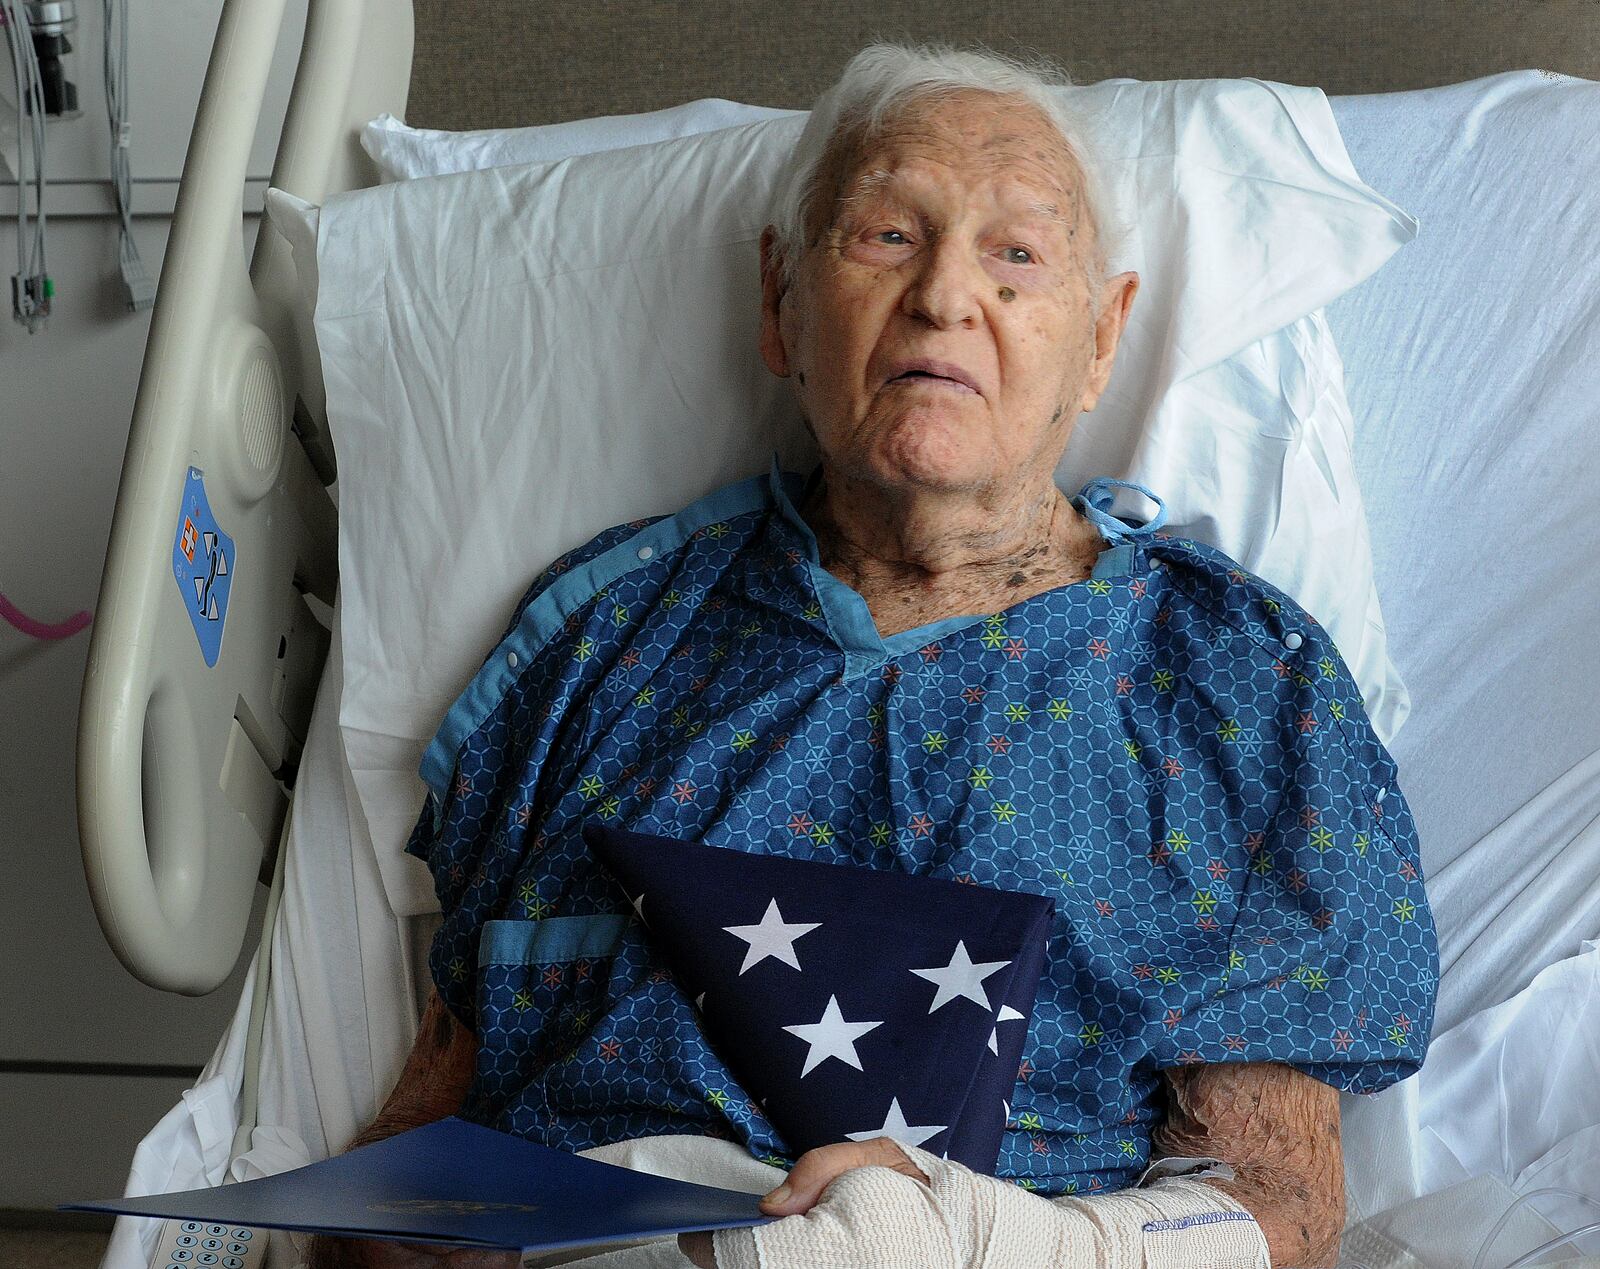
(850, 1002)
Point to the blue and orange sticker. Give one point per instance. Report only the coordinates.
(202, 561)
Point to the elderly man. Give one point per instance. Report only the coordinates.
(925, 656)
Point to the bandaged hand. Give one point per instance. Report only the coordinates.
(883, 1215)
(803, 1187)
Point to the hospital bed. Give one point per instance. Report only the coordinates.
(210, 767)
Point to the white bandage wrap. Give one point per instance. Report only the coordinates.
(879, 1218)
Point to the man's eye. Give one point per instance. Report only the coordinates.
(896, 232)
(1025, 252)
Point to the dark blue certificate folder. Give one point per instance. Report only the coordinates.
(459, 1183)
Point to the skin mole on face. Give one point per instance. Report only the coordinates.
(1007, 294)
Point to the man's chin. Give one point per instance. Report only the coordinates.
(931, 455)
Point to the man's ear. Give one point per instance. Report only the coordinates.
(772, 293)
(1116, 299)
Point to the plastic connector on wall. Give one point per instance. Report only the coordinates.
(30, 299)
(141, 291)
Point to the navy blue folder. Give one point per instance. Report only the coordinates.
(459, 1183)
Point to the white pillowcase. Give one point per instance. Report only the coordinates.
(403, 152)
(516, 358)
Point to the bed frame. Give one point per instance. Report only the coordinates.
(186, 769)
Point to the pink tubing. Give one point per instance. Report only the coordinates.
(39, 629)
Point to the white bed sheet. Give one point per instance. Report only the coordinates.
(1510, 824)
(1479, 459)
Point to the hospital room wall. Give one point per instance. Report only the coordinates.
(89, 1057)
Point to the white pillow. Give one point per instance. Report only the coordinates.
(403, 152)
(466, 464)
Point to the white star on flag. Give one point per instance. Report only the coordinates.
(771, 938)
(832, 1037)
(960, 978)
(1007, 1014)
(896, 1128)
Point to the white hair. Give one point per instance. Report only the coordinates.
(883, 79)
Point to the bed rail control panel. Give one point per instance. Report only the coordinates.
(208, 647)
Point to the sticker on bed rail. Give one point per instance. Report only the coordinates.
(202, 561)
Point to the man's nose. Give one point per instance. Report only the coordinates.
(944, 288)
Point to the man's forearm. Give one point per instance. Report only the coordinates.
(1279, 1132)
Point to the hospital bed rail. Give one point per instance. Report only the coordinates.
(206, 652)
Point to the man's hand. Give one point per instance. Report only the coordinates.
(811, 1175)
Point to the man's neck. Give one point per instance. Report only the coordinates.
(921, 549)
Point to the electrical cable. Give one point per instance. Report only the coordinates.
(36, 261)
(31, 286)
(19, 76)
(38, 118)
(141, 290)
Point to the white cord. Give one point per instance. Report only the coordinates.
(1548, 1247)
(141, 291)
(31, 302)
(36, 120)
(36, 261)
(20, 78)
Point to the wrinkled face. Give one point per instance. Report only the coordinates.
(958, 238)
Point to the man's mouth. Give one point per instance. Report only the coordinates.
(924, 376)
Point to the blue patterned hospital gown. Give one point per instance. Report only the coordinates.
(1172, 749)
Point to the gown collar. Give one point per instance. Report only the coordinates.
(845, 610)
(788, 489)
